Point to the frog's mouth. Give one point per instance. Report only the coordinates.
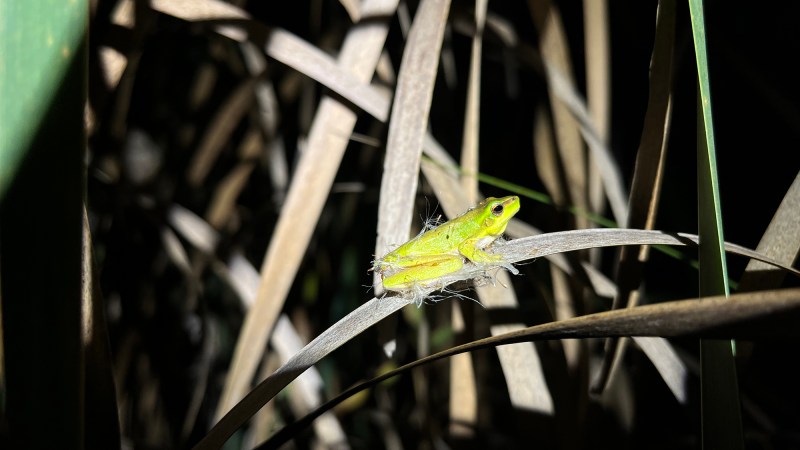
(512, 205)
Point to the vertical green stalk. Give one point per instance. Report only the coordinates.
(721, 415)
(42, 140)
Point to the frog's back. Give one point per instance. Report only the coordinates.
(443, 239)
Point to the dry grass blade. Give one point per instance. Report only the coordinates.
(312, 181)
(223, 202)
(463, 403)
(219, 131)
(547, 166)
(781, 241)
(309, 385)
(407, 128)
(353, 9)
(472, 116)
(175, 252)
(564, 241)
(194, 10)
(598, 87)
(522, 367)
(546, 154)
(100, 402)
(309, 60)
(244, 280)
(555, 50)
(594, 278)
(672, 370)
(648, 173)
(565, 307)
(571, 117)
(766, 313)
(647, 177)
(565, 90)
(193, 228)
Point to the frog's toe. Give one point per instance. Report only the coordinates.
(510, 267)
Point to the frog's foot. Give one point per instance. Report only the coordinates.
(486, 260)
(487, 263)
(509, 267)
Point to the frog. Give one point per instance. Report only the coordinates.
(444, 250)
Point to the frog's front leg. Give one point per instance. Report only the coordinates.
(424, 269)
(472, 251)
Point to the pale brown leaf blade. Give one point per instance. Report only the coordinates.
(563, 241)
(781, 241)
(194, 10)
(672, 370)
(598, 87)
(311, 61)
(472, 117)
(219, 131)
(597, 280)
(554, 48)
(408, 124)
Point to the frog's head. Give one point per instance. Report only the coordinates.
(496, 212)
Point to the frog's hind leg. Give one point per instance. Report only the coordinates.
(423, 273)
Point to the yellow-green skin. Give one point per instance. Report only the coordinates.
(443, 250)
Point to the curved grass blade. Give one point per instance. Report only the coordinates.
(564, 241)
(742, 315)
(342, 331)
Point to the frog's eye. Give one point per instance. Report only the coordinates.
(497, 209)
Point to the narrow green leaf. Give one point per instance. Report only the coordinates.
(43, 78)
(39, 42)
(721, 416)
